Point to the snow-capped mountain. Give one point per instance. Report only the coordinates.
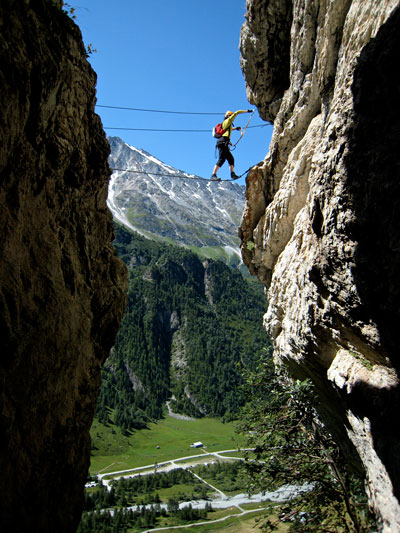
(159, 201)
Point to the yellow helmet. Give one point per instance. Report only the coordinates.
(228, 114)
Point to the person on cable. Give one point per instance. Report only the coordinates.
(224, 142)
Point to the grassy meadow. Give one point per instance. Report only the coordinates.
(169, 438)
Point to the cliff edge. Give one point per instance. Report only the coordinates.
(62, 291)
(319, 227)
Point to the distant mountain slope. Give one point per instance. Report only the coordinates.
(161, 202)
(188, 325)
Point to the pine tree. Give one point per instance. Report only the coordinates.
(137, 380)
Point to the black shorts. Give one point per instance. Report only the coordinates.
(224, 152)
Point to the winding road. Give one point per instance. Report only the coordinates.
(222, 501)
(164, 466)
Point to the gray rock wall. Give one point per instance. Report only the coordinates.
(319, 227)
(62, 289)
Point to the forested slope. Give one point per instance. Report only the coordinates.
(188, 327)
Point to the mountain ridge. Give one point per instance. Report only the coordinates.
(161, 202)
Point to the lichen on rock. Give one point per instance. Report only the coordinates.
(319, 227)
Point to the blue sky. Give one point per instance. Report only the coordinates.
(180, 55)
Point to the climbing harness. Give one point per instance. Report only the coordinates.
(233, 146)
(242, 133)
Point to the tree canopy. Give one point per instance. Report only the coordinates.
(291, 446)
(189, 327)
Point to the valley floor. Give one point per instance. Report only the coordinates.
(160, 442)
(221, 500)
(232, 510)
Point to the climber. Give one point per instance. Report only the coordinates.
(223, 144)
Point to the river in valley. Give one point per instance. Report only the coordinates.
(284, 493)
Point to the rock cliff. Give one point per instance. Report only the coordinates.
(319, 227)
(62, 290)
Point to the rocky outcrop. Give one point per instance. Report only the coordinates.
(319, 227)
(62, 289)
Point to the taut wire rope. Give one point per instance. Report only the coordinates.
(158, 110)
(176, 130)
(171, 175)
(245, 128)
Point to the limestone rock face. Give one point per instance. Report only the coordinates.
(62, 289)
(320, 226)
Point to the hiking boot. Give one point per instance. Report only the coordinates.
(234, 176)
(214, 177)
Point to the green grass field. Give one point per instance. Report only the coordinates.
(167, 439)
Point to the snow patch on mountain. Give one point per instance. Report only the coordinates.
(160, 201)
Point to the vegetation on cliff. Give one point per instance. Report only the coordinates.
(291, 445)
(188, 329)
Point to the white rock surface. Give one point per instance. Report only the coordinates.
(320, 222)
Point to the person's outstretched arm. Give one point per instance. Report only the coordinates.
(228, 121)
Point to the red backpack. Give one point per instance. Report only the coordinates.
(218, 131)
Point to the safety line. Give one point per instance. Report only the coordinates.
(154, 129)
(159, 174)
(245, 172)
(173, 130)
(171, 175)
(243, 131)
(157, 110)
